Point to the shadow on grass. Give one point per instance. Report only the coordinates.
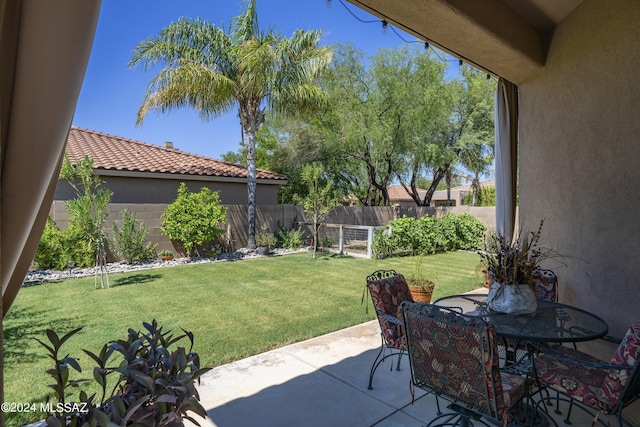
(44, 282)
(136, 279)
(22, 326)
(331, 255)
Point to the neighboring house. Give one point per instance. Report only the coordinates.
(137, 172)
(399, 196)
(457, 194)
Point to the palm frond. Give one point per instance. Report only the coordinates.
(211, 70)
(208, 92)
(245, 26)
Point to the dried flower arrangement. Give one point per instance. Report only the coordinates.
(516, 262)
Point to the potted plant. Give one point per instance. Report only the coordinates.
(166, 255)
(510, 268)
(264, 240)
(420, 286)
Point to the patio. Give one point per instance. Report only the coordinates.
(319, 382)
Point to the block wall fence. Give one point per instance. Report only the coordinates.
(274, 216)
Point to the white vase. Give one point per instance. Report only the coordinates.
(512, 299)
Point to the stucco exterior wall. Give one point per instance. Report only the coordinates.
(153, 190)
(580, 157)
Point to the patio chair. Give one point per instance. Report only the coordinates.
(590, 384)
(545, 285)
(455, 357)
(388, 290)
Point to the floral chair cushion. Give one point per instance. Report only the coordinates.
(387, 294)
(627, 355)
(461, 364)
(545, 285)
(579, 382)
(595, 386)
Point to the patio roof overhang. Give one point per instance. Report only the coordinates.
(506, 38)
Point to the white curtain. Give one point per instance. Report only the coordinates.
(44, 51)
(506, 157)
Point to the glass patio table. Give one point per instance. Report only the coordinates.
(552, 322)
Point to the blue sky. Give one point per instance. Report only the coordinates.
(112, 93)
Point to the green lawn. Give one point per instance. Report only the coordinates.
(235, 309)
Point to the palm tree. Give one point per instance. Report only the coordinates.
(213, 71)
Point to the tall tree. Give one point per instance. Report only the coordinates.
(378, 106)
(467, 134)
(214, 70)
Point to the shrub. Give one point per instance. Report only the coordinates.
(384, 244)
(326, 242)
(58, 247)
(77, 248)
(406, 233)
(265, 238)
(446, 238)
(428, 235)
(486, 196)
(49, 253)
(129, 242)
(469, 231)
(193, 218)
(290, 238)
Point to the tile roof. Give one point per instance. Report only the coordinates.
(483, 184)
(397, 193)
(115, 153)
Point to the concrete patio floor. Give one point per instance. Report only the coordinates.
(319, 382)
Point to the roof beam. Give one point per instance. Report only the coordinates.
(488, 34)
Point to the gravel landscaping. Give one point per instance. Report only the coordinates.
(41, 276)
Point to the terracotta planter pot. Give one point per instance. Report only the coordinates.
(421, 292)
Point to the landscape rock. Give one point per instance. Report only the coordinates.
(42, 276)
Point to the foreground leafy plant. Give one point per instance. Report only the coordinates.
(152, 386)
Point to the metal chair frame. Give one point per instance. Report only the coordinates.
(390, 318)
(421, 321)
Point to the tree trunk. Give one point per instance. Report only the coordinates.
(475, 187)
(251, 188)
(437, 177)
(448, 180)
